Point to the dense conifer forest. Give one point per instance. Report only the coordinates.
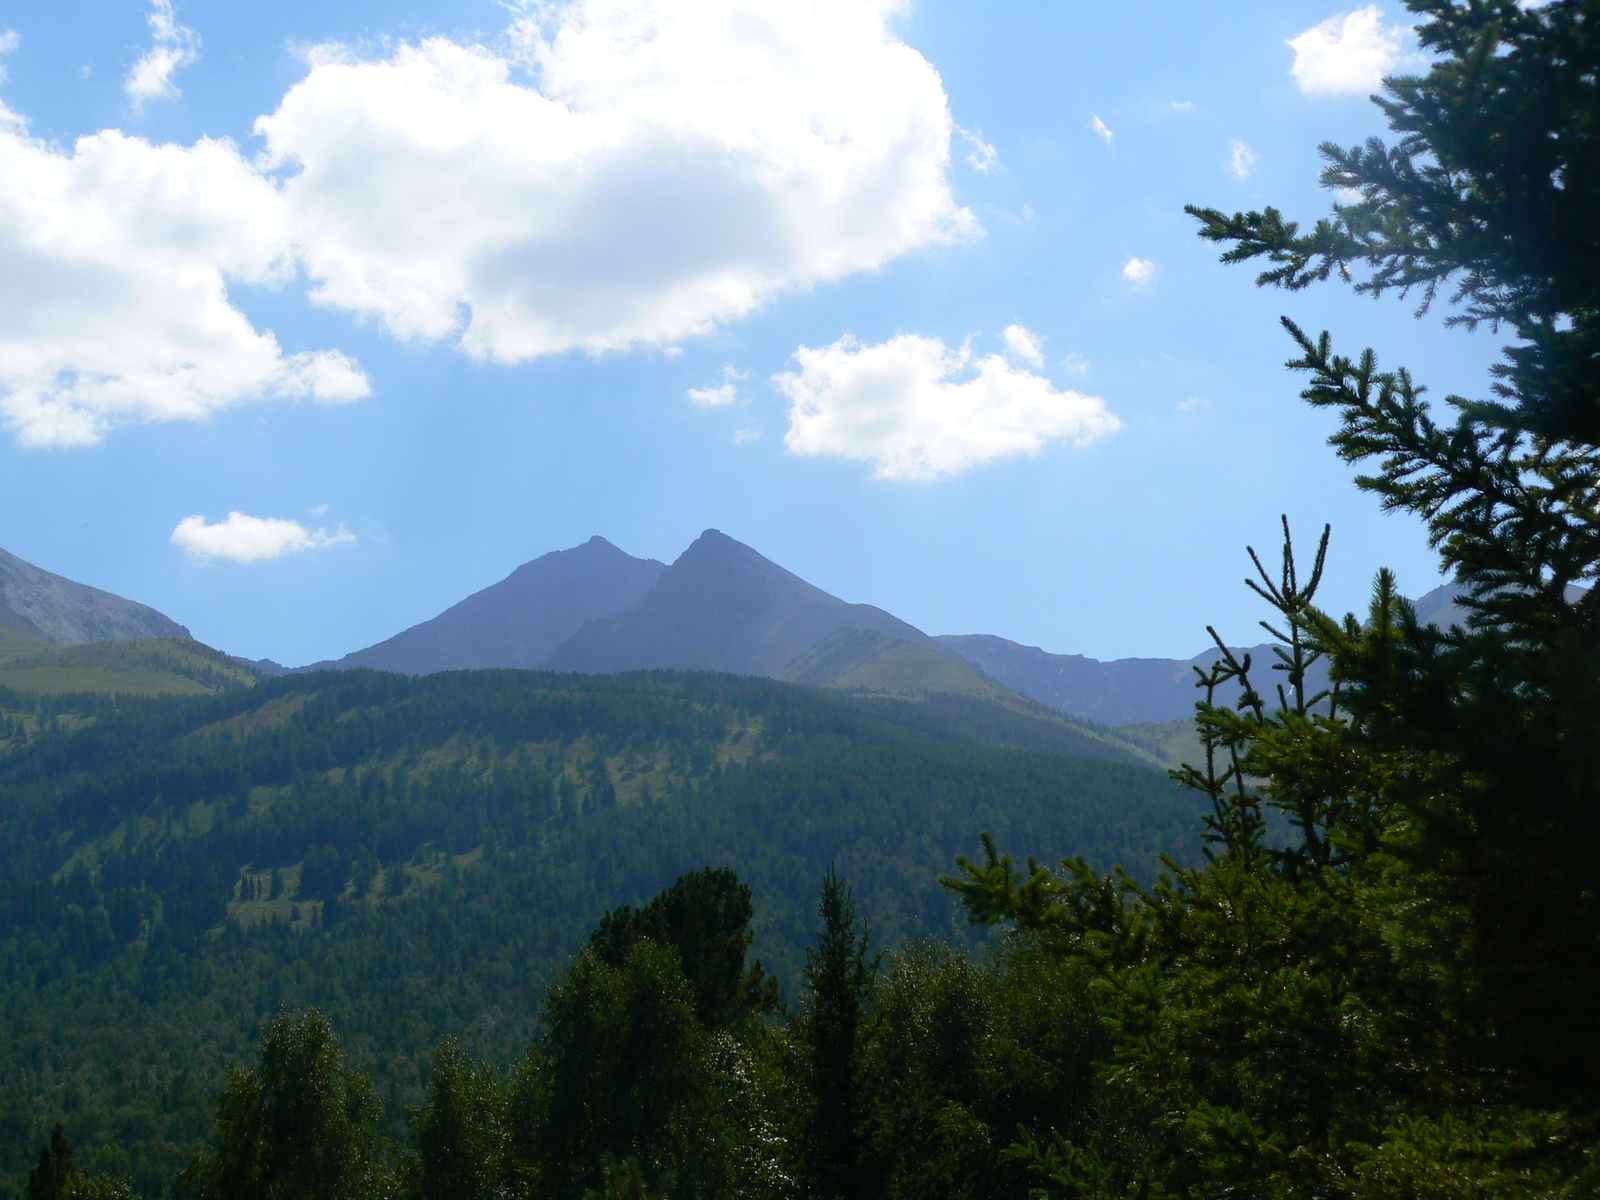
(418, 858)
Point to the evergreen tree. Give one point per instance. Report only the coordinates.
(55, 1178)
(839, 977)
(1494, 188)
(705, 917)
(49, 1180)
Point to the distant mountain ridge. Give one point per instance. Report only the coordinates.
(1122, 691)
(518, 621)
(61, 612)
(1127, 691)
(721, 607)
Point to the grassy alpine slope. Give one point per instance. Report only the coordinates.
(129, 667)
(418, 855)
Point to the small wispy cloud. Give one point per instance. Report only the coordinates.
(1241, 159)
(1023, 345)
(1101, 129)
(1074, 363)
(981, 156)
(246, 539)
(1193, 404)
(746, 435)
(9, 41)
(1138, 271)
(175, 47)
(1183, 106)
(725, 393)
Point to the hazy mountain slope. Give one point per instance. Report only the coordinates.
(1439, 606)
(57, 610)
(1137, 690)
(1442, 606)
(721, 607)
(518, 621)
(865, 660)
(1119, 692)
(126, 667)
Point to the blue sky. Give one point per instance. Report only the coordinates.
(902, 296)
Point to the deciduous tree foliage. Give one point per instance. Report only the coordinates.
(301, 1126)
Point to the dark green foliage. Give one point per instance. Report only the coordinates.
(962, 1053)
(301, 1126)
(49, 1180)
(1490, 190)
(620, 1071)
(152, 960)
(55, 1178)
(460, 1135)
(1495, 184)
(839, 979)
(705, 917)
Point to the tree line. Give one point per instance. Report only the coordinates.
(666, 1064)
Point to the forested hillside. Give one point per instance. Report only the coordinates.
(417, 856)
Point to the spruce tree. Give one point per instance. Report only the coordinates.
(839, 976)
(49, 1180)
(1493, 192)
(704, 916)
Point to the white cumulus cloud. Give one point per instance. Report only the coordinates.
(918, 410)
(116, 258)
(248, 539)
(677, 166)
(1101, 129)
(1138, 271)
(622, 174)
(725, 393)
(175, 47)
(1241, 159)
(1348, 54)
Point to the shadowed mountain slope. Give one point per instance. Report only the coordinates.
(518, 621)
(57, 610)
(721, 607)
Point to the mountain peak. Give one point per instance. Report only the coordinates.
(58, 610)
(518, 621)
(721, 606)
